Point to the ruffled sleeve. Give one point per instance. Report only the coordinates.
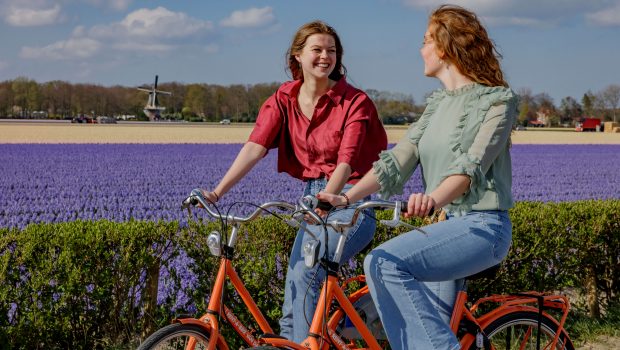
(488, 116)
(396, 165)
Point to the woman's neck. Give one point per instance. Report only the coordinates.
(452, 79)
(314, 89)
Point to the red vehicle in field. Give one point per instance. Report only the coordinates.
(588, 124)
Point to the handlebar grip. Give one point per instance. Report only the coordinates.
(312, 202)
(403, 208)
(326, 206)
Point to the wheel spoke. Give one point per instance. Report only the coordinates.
(520, 331)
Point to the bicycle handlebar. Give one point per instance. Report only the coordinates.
(196, 198)
(306, 205)
(309, 203)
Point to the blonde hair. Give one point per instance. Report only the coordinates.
(458, 33)
(299, 41)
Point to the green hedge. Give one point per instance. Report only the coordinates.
(83, 284)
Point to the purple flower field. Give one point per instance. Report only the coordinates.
(57, 183)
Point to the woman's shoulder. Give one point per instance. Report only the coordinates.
(495, 94)
(289, 88)
(344, 88)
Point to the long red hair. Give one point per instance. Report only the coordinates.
(458, 33)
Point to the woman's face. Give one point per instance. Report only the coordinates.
(318, 57)
(432, 62)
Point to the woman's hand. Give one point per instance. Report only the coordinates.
(419, 205)
(210, 196)
(334, 199)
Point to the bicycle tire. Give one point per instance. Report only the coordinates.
(176, 336)
(506, 332)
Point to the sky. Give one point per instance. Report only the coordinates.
(559, 47)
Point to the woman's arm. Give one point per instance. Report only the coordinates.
(451, 188)
(366, 186)
(339, 178)
(249, 155)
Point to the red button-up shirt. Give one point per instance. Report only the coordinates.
(344, 128)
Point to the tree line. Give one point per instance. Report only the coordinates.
(26, 98)
(602, 105)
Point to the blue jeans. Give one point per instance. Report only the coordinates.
(414, 278)
(300, 300)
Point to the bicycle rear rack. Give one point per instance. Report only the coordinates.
(543, 301)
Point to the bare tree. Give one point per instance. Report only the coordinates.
(527, 106)
(588, 101)
(570, 110)
(611, 96)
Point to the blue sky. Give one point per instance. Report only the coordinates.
(561, 47)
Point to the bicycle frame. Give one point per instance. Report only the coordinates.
(331, 290)
(210, 318)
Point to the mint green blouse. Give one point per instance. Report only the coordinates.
(463, 131)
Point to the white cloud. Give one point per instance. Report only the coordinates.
(138, 46)
(606, 17)
(73, 48)
(19, 16)
(250, 18)
(159, 23)
(118, 5)
(156, 30)
(78, 31)
(3, 65)
(537, 13)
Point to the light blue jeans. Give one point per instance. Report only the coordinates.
(414, 278)
(299, 300)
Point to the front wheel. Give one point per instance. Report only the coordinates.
(178, 336)
(519, 330)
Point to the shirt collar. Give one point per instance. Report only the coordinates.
(336, 93)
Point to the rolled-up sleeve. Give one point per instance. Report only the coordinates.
(354, 132)
(268, 124)
(490, 140)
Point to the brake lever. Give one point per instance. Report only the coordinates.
(399, 208)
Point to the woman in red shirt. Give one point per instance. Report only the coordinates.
(328, 135)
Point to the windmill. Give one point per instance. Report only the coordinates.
(152, 108)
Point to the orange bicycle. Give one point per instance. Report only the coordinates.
(351, 322)
(205, 332)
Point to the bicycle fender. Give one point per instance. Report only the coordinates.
(470, 339)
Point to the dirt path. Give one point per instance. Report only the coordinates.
(603, 342)
(41, 132)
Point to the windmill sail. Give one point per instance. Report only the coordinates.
(152, 108)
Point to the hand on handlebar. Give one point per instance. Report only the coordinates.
(420, 205)
(210, 196)
(335, 200)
